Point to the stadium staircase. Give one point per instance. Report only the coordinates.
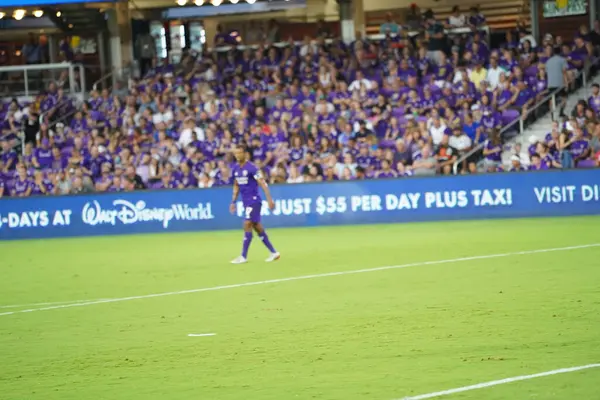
(540, 128)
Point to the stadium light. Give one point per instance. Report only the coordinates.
(199, 2)
(58, 13)
(2, 14)
(234, 1)
(19, 14)
(250, 1)
(216, 3)
(38, 13)
(182, 2)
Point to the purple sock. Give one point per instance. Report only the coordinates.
(247, 241)
(263, 236)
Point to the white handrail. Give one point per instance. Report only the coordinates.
(114, 74)
(55, 66)
(35, 67)
(551, 96)
(480, 146)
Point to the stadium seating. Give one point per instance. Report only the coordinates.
(312, 111)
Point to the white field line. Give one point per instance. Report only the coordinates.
(50, 303)
(296, 278)
(201, 334)
(499, 382)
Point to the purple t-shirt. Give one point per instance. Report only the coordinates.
(37, 190)
(540, 167)
(296, 154)
(541, 85)
(497, 156)
(594, 103)
(44, 157)
(493, 120)
(9, 156)
(189, 181)
(247, 177)
(365, 161)
(21, 186)
(524, 96)
(259, 153)
(384, 174)
(578, 147)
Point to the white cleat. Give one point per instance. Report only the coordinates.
(273, 257)
(239, 260)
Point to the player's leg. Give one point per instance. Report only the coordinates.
(247, 238)
(262, 234)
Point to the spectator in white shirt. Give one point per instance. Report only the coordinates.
(211, 73)
(437, 130)
(348, 163)
(211, 102)
(461, 70)
(525, 36)
(457, 19)
(163, 115)
(187, 133)
(295, 176)
(308, 47)
(360, 82)
(494, 72)
(460, 141)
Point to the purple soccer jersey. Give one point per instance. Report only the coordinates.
(247, 177)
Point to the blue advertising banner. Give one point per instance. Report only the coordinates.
(506, 195)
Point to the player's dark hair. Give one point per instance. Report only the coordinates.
(244, 147)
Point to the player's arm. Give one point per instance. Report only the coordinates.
(236, 192)
(265, 187)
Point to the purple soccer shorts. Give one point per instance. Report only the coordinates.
(252, 212)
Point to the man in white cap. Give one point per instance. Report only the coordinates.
(516, 163)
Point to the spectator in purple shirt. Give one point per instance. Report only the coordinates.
(9, 155)
(43, 155)
(492, 151)
(536, 163)
(524, 98)
(578, 146)
(41, 185)
(594, 100)
(23, 185)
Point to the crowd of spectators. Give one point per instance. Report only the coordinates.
(321, 110)
(573, 140)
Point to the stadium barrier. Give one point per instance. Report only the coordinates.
(506, 195)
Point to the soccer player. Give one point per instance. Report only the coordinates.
(247, 179)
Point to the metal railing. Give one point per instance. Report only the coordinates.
(108, 80)
(583, 74)
(520, 120)
(33, 75)
(95, 86)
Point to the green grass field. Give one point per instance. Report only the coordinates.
(382, 334)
